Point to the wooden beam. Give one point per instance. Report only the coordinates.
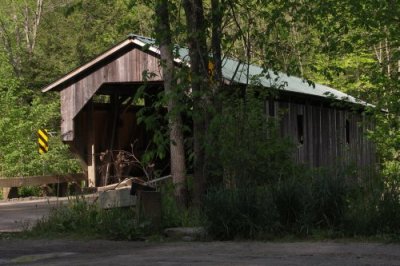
(91, 169)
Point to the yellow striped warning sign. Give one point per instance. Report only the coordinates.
(43, 141)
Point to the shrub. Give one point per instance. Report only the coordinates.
(245, 213)
(173, 215)
(389, 211)
(293, 201)
(29, 191)
(362, 208)
(329, 192)
(245, 146)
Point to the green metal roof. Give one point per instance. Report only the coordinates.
(235, 71)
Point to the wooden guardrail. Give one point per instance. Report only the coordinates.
(40, 180)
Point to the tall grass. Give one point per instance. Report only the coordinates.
(80, 218)
(303, 207)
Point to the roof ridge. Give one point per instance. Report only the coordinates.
(133, 35)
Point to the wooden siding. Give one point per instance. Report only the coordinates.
(325, 135)
(126, 67)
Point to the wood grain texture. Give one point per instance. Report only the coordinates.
(325, 142)
(129, 66)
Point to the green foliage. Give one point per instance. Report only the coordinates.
(21, 119)
(29, 191)
(329, 193)
(294, 202)
(245, 145)
(175, 216)
(32, 55)
(304, 206)
(247, 212)
(264, 194)
(83, 219)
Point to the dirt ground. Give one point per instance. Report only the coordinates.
(97, 252)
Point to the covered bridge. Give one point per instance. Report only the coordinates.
(98, 115)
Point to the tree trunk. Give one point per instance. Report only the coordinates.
(177, 150)
(216, 21)
(196, 31)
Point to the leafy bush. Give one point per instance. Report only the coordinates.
(323, 201)
(29, 191)
(293, 201)
(329, 192)
(245, 146)
(389, 211)
(246, 213)
(173, 215)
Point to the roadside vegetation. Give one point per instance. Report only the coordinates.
(245, 184)
(80, 219)
(248, 199)
(260, 193)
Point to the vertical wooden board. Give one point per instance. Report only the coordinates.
(78, 144)
(308, 134)
(67, 107)
(293, 128)
(340, 135)
(111, 71)
(315, 134)
(91, 146)
(127, 67)
(329, 152)
(283, 111)
(350, 145)
(121, 71)
(324, 136)
(302, 149)
(343, 145)
(78, 99)
(334, 136)
(87, 92)
(353, 138)
(145, 64)
(361, 141)
(358, 147)
(136, 65)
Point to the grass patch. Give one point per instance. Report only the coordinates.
(173, 216)
(81, 219)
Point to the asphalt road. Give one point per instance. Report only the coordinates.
(17, 215)
(98, 252)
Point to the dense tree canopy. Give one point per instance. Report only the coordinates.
(350, 45)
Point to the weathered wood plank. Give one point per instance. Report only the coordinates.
(128, 67)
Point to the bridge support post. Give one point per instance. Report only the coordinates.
(91, 147)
